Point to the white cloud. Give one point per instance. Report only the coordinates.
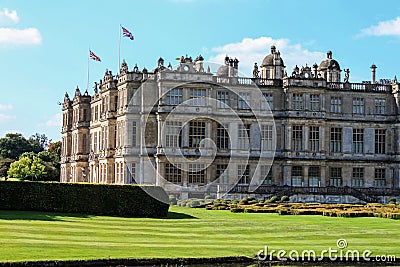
(56, 120)
(29, 36)
(6, 107)
(249, 51)
(383, 28)
(7, 16)
(5, 118)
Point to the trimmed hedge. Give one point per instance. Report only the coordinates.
(99, 199)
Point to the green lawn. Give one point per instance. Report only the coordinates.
(186, 233)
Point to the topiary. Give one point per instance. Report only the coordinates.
(273, 199)
(172, 200)
(285, 199)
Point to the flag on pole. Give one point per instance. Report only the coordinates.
(93, 56)
(127, 33)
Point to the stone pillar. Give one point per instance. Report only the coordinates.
(373, 73)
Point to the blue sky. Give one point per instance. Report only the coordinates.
(44, 44)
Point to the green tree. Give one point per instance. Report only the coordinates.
(27, 168)
(51, 163)
(55, 148)
(13, 145)
(4, 166)
(39, 142)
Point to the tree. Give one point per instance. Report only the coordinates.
(27, 168)
(39, 142)
(4, 166)
(50, 161)
(55, 148)
(13, 145)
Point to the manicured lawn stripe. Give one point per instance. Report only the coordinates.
(41, 236)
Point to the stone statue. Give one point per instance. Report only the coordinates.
(96, 90)
(346, 75)
(255, 71)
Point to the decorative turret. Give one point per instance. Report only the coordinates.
(272, 67)
(329, 69)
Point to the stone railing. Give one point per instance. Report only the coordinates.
(247, 81)
(365, 194)
(360, 87)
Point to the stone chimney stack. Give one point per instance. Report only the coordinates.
(373, 74)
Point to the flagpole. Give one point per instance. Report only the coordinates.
(119, 49)
(88, 67)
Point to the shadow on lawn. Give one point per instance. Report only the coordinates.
(178, 215)
(37, 216)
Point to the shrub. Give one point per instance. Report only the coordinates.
(285, 199)
(103, 199)
(172, 200)
(194, 203)
(273, 199)
(393, 200)
(237, 210)
(208, 197)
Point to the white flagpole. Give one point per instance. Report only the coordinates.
(88, 67)
(119, 49)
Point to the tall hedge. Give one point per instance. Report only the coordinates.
(99, 199)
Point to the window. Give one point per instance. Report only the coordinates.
(297, 138)
(222, 173)
(297, 102)
(174, 96)
(335, 175)
(244, 136)
(266, 175)
(358, 177)
(380, 141)
(358, 141)
(336, 104)
(243, 172)
(96, 113)
(297, 176)
(197, 97)
(244, 101)
(173, 173)
(95, 142)
(197, 132)
(266, 137)
(134, 133)
(132, 172)
(267, 101)
(380, 106)
(313, 176)
(223, 99)
(380, 180)
(172, 133)
(314, 103)
(314, 139)
(197, 173)
(358, 105)
(336, 140)
(222, 137)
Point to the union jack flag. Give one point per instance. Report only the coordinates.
(127, 33)
(93, 56)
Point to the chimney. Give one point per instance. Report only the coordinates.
(373, 74)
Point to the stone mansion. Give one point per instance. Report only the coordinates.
(323, 130)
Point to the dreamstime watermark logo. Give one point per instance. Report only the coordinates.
(338, 253)
(201, 133)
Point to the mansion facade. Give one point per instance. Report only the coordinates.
(196, 132)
